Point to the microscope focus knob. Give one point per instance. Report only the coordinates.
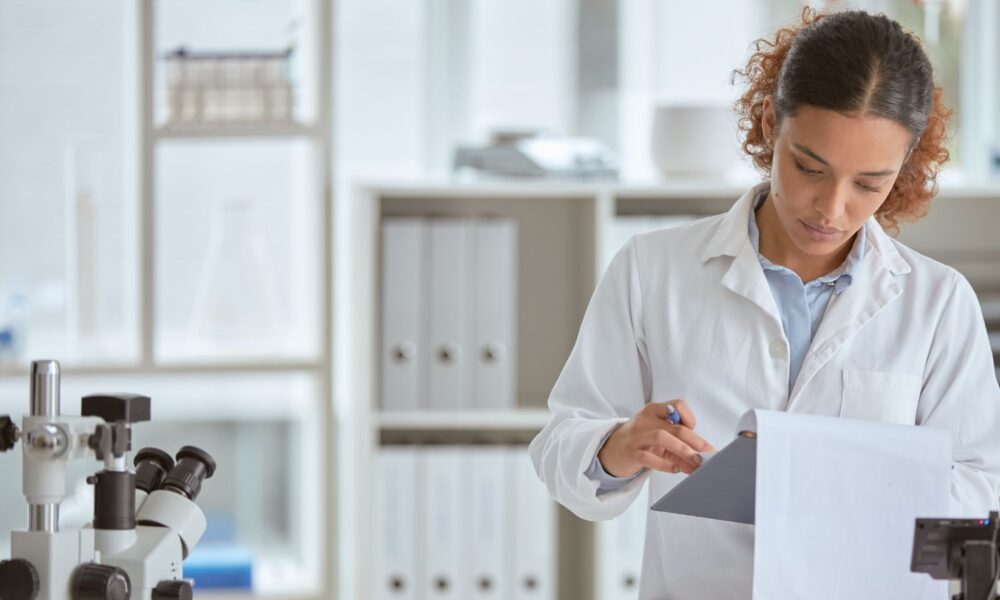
(177, 589)
(18, 580)
(8, 433)
(101, 582)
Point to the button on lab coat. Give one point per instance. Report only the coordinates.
(687, 313)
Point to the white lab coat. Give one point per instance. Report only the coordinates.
(687, 313)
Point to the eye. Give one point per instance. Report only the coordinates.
(805, 170)
(867, 188)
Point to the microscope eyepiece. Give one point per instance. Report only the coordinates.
(194, 465)
(151, 466)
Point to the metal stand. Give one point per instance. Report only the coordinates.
(979, 570)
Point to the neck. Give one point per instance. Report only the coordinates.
(777, 247)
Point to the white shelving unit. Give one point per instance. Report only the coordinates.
(563, 233)
(304, 378)
(315, 365)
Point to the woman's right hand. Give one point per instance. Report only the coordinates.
(650, 440)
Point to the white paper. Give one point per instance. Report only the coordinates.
(836, 501)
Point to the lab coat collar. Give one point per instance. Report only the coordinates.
(731, 236)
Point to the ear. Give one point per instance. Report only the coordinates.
(769, 119)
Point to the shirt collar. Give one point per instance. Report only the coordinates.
(841, 277)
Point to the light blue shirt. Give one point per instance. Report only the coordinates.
(801, 307)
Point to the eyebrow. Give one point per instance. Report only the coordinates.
(817, 157)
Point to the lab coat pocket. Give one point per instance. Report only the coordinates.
(880, 396)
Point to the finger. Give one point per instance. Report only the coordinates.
(692, 439)
(675, 446)
(653, 460)
(679, 465)
(687, 415)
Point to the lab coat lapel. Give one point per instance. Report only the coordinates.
(746, 278)
(874, 289)
(744, 275)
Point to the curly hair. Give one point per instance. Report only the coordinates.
(854, 63)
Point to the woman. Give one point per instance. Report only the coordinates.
(795, 300)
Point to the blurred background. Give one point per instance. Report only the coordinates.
(345, 246)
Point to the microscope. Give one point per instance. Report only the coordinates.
(963, 549)
(145, 521)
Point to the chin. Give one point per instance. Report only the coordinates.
(814, 248)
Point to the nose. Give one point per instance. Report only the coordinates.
(831, 201)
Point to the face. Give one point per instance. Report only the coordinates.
(830, 173)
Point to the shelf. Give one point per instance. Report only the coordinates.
(292, 130)
(523, 420)
(665, 189)
(262, 365)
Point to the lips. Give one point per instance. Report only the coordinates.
(823, 235)
(826, 230)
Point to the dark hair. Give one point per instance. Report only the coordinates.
(853, 63)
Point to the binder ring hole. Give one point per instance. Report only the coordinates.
(404, 352)
(530, 583)
(441, 583)
(397, 584)
(485, 583)
(449, 353)
(629, 581)
(493, 352)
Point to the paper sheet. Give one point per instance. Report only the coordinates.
(836, 501)
(833, 503)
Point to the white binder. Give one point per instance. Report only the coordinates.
(620, 544)
(486, 527)
(395, 553)
(450, 320)
(403, 346)
(443, 511)
(533, 518)
(495, 314)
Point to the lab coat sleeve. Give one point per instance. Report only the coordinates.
(605, 381)
(961, 384)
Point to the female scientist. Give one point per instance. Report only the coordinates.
(794, 300)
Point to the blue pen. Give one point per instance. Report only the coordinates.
(672, 415)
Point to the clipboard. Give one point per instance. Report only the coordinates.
(723, 488)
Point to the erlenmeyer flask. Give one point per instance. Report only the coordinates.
(236, 302)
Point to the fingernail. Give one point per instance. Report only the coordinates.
(696, 459)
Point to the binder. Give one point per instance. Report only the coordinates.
(403, 306)
(395, 512)
(532, 549)
(620, 544)
(486, 526)
(443, 509)
(495, 276)
(450, 327)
